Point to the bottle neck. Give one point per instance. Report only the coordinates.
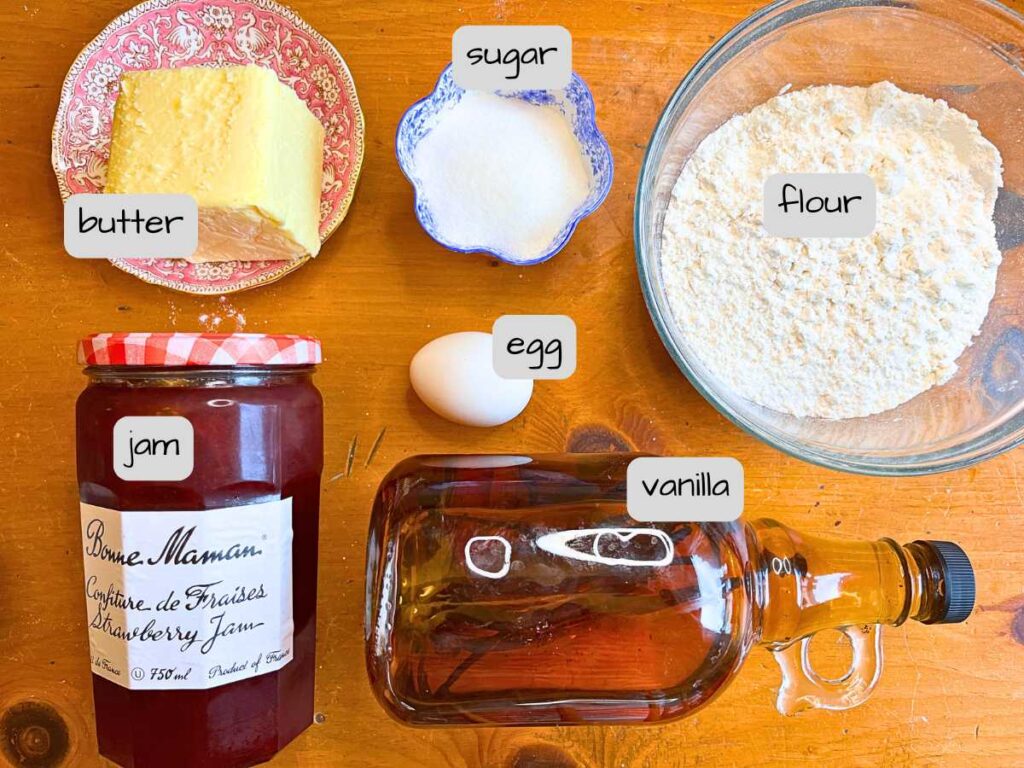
(804, 584)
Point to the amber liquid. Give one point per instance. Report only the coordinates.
(253, 441)
(525, 594)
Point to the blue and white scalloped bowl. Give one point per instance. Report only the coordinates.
(575, 102)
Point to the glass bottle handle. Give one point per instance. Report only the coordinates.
(803, 688)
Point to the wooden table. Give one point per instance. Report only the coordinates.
(379, 290)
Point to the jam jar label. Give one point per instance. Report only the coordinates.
(187, 600)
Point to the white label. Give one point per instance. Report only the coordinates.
(187, 600)
(153, 448)
(145, 226)
(820, 205)
(511, 57)
(688, 490)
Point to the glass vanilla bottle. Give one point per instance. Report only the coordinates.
(513, 590)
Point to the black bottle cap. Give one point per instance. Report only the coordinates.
(957, 578)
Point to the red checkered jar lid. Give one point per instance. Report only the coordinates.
(174, 350)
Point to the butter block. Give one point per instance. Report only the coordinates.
(235, 138)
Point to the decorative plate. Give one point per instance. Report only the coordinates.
(164, 34)
(574, 101)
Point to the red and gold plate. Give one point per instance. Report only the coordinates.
(164, 34)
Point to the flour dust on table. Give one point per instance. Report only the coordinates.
(836, 327)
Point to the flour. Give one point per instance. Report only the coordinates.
(502, 174)
(836, 328)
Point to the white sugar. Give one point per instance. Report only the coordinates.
(501, 174)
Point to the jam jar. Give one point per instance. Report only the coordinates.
(199, 462)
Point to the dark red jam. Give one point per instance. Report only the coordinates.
(258, 440)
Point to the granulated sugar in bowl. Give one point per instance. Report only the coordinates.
(502, 173)
(510, 174)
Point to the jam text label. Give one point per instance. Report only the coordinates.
(511, 58)
(688, 490)
(534, 346)
(131, 226)
(820, 205)
(188, 599)
(153, 448)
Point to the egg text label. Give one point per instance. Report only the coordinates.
(534, 346)
(511, 58)
(692, 489)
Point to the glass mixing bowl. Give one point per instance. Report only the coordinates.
(969, 53)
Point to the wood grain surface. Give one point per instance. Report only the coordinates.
(380, 289)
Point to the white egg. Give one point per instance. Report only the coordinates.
(454, 375)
